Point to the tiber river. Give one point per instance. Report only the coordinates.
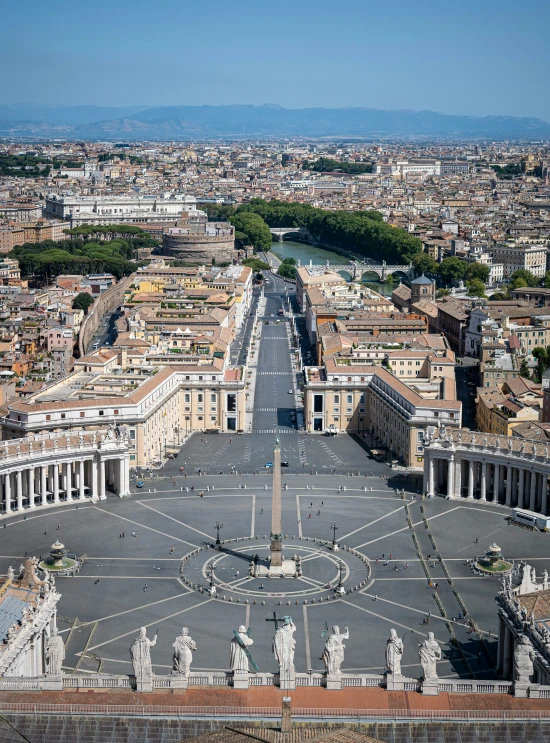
(319, 256)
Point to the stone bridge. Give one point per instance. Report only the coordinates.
(356, 269)
(48, 469)
(280, 232)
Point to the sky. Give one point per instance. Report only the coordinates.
(479, 57)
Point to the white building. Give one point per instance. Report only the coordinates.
(118, 209)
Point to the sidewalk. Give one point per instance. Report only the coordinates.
(252, 365)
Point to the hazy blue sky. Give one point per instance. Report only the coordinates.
(482, 57)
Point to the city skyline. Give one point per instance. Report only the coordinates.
(476, 61)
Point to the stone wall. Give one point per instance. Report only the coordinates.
(106, 302)
(199, 249)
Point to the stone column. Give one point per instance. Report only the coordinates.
(69, 480)
(7, 491)
(501, 638)
(509, 472)
(82, 492)
(450, 478)
(30, 476)
(431, 464)
(458, 478)
(470, 480)
(496, 484)
(508, 653)
(483, 495)
(19, 481)
(102, 495)
(44, 484)
(533, 491)
(55, 483)
(95, 492)
(544, 502)
(521, 487)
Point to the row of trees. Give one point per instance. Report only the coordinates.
(51, 258)
(287, 269)
(361, 232)
(328, 165)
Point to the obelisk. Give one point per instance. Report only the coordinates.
(276, 517)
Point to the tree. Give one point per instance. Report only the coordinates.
(476, 288)
(256, 264)
(440, 293)
(451, 270)
(82, 301)
(287, 269)
(498, 297)
(529, 278)
(541, 355)
(255, 229)
(477, 271)
(524, 369)
(546, 280)
(424, 264)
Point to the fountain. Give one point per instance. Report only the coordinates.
(493, 561)
(57, 560)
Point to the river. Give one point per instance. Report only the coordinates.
(319, 256)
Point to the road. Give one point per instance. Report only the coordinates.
(106, 333)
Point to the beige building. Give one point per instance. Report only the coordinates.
(346, 395)
(517, 256)
(160, 405)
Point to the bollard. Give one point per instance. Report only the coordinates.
(344, 488)
(371, 487)
(208, 488)
(181, 488)
(149, 489)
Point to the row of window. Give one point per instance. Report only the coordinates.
(49, 417)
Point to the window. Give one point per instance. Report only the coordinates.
(349, 411)
(115, 412)
(187, 398)
(231, 403)
(82, 414)
(48, 417)
(213, 398)
(436, 414)
(317, 403)
(349, 399)
(132, 433)
(63, 415)
(200, 397)
(452, 415)
(101, 412)
(336, 399)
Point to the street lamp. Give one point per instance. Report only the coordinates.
(218, 525)
(334, 526)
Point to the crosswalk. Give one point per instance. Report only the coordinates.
(275, 373)
(282, 429)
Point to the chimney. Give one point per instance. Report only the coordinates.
(286, 718)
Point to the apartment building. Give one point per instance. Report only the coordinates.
(518, 256)
(94, 210)
(393, 410)
(160, 405)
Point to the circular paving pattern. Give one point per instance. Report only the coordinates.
(324, 571)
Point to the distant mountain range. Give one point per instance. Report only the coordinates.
(207, 122)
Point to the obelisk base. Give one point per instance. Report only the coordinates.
(288, 569)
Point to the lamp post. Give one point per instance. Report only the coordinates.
(334, 526)
(218, 525)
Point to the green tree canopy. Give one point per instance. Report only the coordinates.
(524, 369)
(82, 301)
(327, 164)
(523, 275)
(255, 229)
(256, 264)
(476, 288)
(424, 264)
(477, 271)
(451, 269)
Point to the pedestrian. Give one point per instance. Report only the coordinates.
(261, 586)
(309, 515)
(391, 556)
(238, 573)
(386, 563)
(311, 504)
(145, 587)
(261, 510)
(477, 540)
(96, 582)
(429, 612)
(376, 559)
(375, 597)
(58, 527)
(383, 555)
(318, 512)
(123, 535)
(406, 565)
(172, 551)
(45, 533)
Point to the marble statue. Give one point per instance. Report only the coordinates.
(522, 448)
(523, 661)
(11, 573)
(55, 653)
(283, 647)
(238, 659)
(183, 653)
(429, 653)
(394, 651)
(510, 444)
(333, 654)
(140, 653)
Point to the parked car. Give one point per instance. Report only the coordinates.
(268, 464)
(284, 464)
(139, 484)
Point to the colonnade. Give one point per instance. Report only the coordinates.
(506, 471)
(46, 470)
(29, 486)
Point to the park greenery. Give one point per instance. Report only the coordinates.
(476, 288)
(328, 165)
(82, 301)
(78, 255)
(253, 226)
(256, 264)
(24, 166)
(507, 172)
